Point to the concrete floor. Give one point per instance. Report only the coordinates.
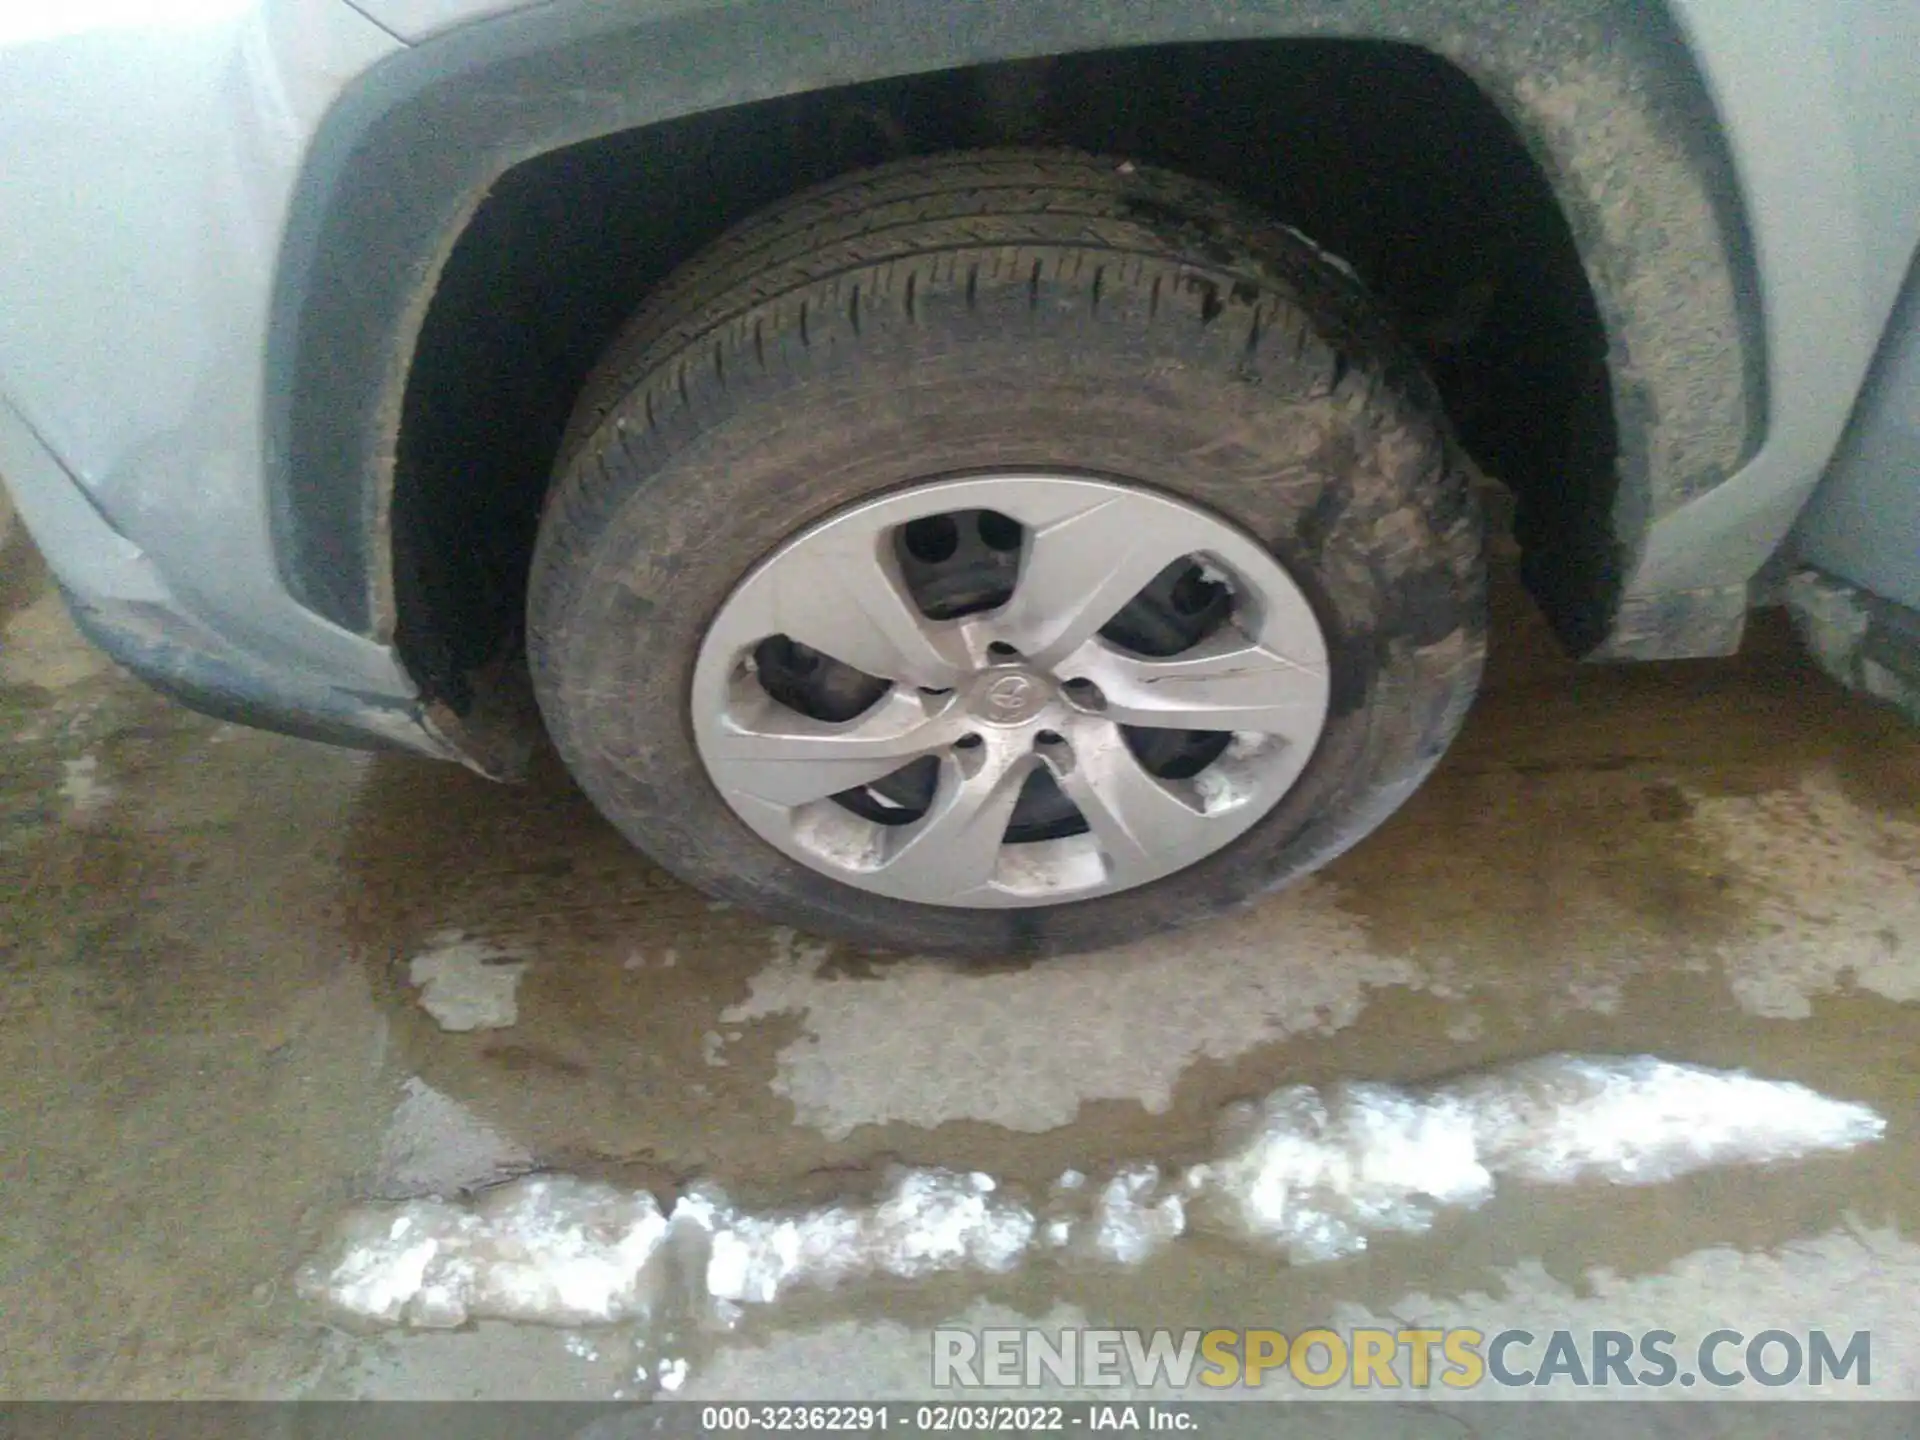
(214, 946)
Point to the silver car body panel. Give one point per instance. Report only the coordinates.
(1863, 525)
(1854, 590)
(172, 174)
(149, 170)
(1828, 153)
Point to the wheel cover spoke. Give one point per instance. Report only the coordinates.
(1080, 569)
(953, 849)
(847, 600)
(765, 750)
(1135, 814)
(1226, 683)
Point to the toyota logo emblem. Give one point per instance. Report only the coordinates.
(1010, 695)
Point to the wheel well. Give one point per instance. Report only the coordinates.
(1385, 154)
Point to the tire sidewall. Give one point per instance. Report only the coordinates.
(678, 512)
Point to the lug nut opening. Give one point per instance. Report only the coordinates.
(968, 741)
(1195, 592)
(931, 539)
(1083, 693)
(999, 532)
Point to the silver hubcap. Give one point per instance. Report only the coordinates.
(1010, 690)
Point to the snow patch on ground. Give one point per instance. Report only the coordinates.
(1834, 892)
(927, 1222)
(1308, 1173)
(550, 1248)
(1316, 1172)
(1134, 1217)
(467, 984)
(1028, 1050)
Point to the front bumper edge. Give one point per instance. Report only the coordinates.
(121, 603)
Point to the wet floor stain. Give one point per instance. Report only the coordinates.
(209, 1018)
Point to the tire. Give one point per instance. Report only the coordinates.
(969, 313)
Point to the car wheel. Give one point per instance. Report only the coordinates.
(1004, 554)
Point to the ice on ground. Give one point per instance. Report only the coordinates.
(1637, 1120)
(1310, 1172)
(925, 1223)
(467, 984)
(550, 1249)
(1315, 1173)
(1133, 1217)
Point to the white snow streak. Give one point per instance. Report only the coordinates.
(1310, 1173)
